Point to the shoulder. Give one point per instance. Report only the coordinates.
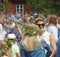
(15, 46)
(52, 27)
(46, 33)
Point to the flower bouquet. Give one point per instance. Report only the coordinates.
(30, 33)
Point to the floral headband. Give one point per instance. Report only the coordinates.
(39, 19)
(31, 30)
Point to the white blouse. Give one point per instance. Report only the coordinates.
(54, 31)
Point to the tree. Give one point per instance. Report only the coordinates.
(36, 5)
(57, 6)
(1, 1)
(45, 6)
(7, 4)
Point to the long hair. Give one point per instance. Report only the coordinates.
(53, 19)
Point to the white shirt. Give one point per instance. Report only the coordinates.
(14, 50)
(46, 37)
(52, 29)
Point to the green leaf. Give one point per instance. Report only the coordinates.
(30, 32)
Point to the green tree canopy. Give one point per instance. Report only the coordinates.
(44, 6)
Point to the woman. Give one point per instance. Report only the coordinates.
(39, 42)
(52, 27)
(46, 36)
(31, 46)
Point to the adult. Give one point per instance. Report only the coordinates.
(52, 27)
(47, 37)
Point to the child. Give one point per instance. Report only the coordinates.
(14, 51)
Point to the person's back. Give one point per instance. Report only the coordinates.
(52, 29)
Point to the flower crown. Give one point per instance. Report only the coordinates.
(5, 47)
(39, 19)
(30, 29)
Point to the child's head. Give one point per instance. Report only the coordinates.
(11, 37)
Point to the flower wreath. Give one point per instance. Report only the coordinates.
(30, 29)
(3, 50)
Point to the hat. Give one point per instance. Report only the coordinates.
(11, 36)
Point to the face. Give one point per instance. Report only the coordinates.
(18, 24)
(41, 25)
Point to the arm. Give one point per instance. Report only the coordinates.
(8, 52)
(54, 32)
(53, 45)
(18, 54)
(18, 28)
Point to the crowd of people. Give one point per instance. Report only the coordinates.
(41, 42)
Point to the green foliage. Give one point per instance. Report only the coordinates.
(48, 11)
(49, 3)
(5, 1)
(7, 4)
(45, 6)
(3, 50)
(36, 5)
(30, 32)
(39, 19)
